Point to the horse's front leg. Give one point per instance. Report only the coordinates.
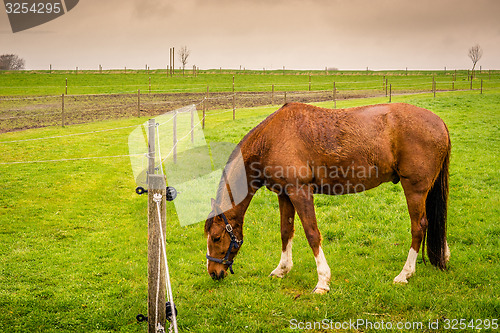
(287, 212)
(303, 201)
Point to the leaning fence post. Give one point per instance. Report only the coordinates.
(156, 265)
(62, 110)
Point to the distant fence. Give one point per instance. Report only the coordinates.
(20, 112)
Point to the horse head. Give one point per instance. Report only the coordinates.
(224, 239)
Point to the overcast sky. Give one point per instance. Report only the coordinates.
(297, 34)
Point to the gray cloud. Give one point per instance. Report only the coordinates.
(260, 33)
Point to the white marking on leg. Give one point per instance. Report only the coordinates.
(208, 252)
(447, 253)
(323, 273)
(409, 267)
(286, 262)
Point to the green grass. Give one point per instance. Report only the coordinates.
(73, 238)
(117, 82)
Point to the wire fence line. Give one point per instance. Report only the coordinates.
(204, 102)
(18, 113)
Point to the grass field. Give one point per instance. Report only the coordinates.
(27, 83)
(73, 238)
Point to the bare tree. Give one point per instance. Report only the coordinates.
(475, 53)
(11, 62)
(184, 55)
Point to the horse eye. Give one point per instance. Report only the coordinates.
(216, 239)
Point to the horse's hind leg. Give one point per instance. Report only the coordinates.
(287, 212)
(415, 199)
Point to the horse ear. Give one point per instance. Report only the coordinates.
(215, 207)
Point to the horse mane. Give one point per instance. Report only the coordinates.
(241, 149)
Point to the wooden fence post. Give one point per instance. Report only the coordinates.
(138, 103)
(234, 102)
(481, 86)
(150, 84)
(334, 96)
(62, 110)
(272, 95)
(309, 81)
(66, 86)
(205, 107)
(390, 93)
(386, 86)
(156, 265)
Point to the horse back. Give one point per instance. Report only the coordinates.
(364, 144)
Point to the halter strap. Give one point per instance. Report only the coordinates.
(234, 243)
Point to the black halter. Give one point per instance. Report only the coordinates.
(234, 243)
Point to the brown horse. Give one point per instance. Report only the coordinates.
(301, 150)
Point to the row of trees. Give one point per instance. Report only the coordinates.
(14, 62)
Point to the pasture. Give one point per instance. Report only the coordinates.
(31, 99)
(73, 238)
(40, 83)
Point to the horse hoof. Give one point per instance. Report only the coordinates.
(400, 280)
(275, 275)
(320, 291)
(280, 273)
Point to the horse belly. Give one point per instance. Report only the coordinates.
(338, 179)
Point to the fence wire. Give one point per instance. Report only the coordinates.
(19, 113)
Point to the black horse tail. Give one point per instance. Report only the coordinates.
(436, 209)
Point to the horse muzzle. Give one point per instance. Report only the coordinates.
(218, 276)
